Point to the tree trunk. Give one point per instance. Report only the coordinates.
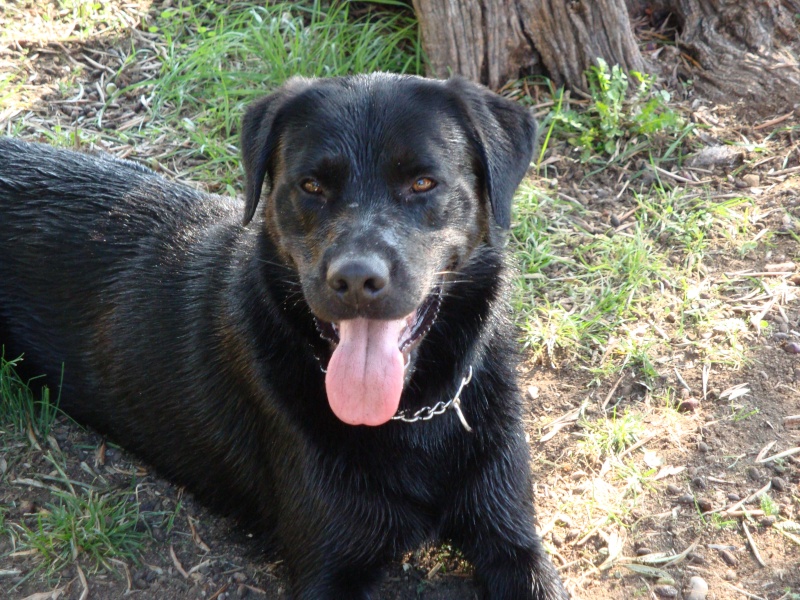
(740, 49)
(731, 49)
(492, 41)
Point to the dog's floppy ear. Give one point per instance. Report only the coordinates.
(259, 140)
(504, 134)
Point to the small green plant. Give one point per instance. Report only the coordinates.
(89, 524)
(605, 437)
(20, 410)
(718, 521)
(614, 119)
(769, 506)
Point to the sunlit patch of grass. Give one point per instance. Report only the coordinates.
(219, 57)
(607, 299)
(607, 437)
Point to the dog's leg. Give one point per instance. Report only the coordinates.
(492, 523)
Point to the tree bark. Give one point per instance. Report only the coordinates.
(492, 41)
(731, 49)
(741, 49)
(572, 34)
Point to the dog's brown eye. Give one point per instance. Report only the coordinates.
(423, 184)
(311, 186)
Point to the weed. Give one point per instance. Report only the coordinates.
(769, 506)
(616, 124)
(608, 437)
(718, 521)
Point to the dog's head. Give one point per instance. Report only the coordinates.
(377, 189)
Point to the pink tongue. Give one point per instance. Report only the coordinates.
(365, 373)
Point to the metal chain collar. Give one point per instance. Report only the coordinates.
(428, 412)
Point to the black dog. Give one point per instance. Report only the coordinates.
(343, 366)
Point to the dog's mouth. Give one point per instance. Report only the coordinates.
(366, 372)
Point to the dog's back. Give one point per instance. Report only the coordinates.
(96, 252)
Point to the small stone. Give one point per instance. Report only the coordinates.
(718, 156)
(699, 483)
(753, 474)
(702, 447)
(751, 180)
(688, 405)
(729, 575)
(665, 591)
(779, 484)
(791, 348)
(557, 540)
(140, 583)
(27, 507)
(729, 558)
(673, 490)
(698, 589)
(734, 497)
(767, 521)
(242, 591)
(644, 550)
(239, 577)
(696, 558)
(704, 504)
(686, 499)
(714, 392)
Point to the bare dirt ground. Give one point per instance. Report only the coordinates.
(700, 509)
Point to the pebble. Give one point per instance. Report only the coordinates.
(729, 575)
(734, 497)
(702, 447)
(699, 483)
(791, 348)
(753, 473)
(779, 484)
(751, 179)
(729, 558)
(718, 156)
(696, 558)
(704, 504)
(767, 521)
(239, 577)
(688, 405)
(644, 550)
(665, 591)
(698, 589)
(242, 591)
(673, 490)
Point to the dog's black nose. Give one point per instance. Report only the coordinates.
(359, 280)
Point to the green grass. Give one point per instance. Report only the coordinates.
(21, 411)
(604, 438)
(87, 525)
(220, 57)
(604, 298)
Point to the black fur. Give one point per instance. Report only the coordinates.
(190, 338)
